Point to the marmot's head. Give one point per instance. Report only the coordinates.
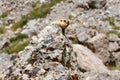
(63, 23)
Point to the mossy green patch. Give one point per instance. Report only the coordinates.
(20, 23)
(117, 33)
(16, 46)
(34, 4)
(5, 14)
(19, 37)
(117, 67)
(111, 21)
(17, 43)
(75, 41)
(2, 30)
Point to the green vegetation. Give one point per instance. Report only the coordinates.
(2, 30)
(37, 12)
(117, 33)
(5, 14)
(19, 37)
(117, 67)
(114, 67)
(20, 24)
(111, 21)
(43, 10)
(75, 41)
(17, 44)
(34, 4)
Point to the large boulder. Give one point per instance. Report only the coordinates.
(87, 60)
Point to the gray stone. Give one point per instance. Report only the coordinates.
(99, 45)
(112, 6)
(117, 58)
(25, 77)
(49, 77)
(96, 4)
(17, 72)
(82, 37)
(93, 4)
(4, 62)
(113, 37)
(113, 46)
(87, 60)
(3, 43)
(32, 27)
(25, 55)
(112, 75)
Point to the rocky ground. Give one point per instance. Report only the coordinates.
(92, 52)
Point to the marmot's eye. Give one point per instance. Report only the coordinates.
(64, 20)
(61, 20)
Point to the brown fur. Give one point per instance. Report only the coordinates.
(63, 23)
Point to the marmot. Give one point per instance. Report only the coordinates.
(63, 24)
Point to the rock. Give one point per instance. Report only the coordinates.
(113, 46)
(17, 72)
(99, 45)
(25, 55)
(113, 37)
(56, 69)
(112, 75)
(25, 77)
(3, 42)
(62, 10)
(43, 1)
(54, 65)
(87, 60)
(32, 27)
(117, 58)
(82, 37)
(5, 62)
(49, 77)
(16, 9)
(96, 4)
(73, 31)
(41, 71)
(92, 21)
(112, 6)
(92, 33)
(93, 4)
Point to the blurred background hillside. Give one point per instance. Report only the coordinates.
(31, 48)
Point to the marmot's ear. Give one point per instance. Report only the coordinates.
(68, 23)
